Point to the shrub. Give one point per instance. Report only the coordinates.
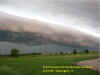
(61, 53)
(15, 52)
(86, 51)
(74, 51)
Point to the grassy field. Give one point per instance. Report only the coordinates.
(33, 65)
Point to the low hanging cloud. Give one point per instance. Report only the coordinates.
(77, 20)
(78, 13)
(69, 36)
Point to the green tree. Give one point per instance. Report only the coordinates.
(15, 52)
(61, 53)
(86, 51)
(74, 51)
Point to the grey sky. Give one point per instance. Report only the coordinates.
(78, 13)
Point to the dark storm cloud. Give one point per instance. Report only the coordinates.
(83, 14)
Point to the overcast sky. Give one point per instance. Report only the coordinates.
(81, 14)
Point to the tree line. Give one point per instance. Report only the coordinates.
(16, 52)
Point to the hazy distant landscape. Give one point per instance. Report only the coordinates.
(35, 36)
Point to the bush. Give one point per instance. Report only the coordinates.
(74, 51)
(86, 51)
(61, 53)
(15, 52)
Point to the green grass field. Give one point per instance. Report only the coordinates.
(32, 65)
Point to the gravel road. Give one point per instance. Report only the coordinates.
(94, 63)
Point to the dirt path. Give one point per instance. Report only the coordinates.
(95, 63)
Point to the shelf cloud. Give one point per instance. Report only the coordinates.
(81, 15)
(77, 13)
